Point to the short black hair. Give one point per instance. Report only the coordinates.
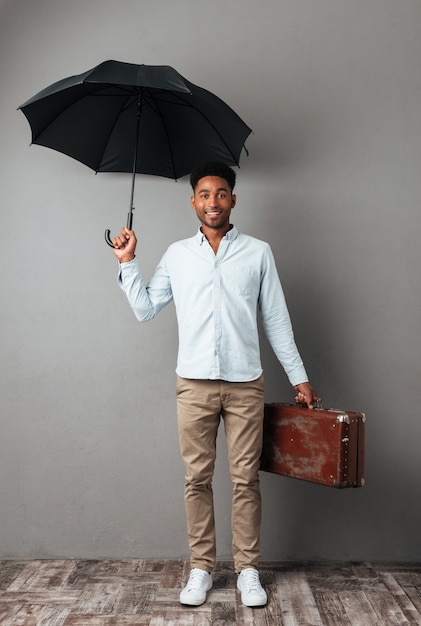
(213, 168)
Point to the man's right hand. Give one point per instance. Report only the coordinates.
(125, 245)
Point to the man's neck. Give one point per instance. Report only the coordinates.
(215, 235)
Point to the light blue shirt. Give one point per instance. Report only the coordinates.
(216, 299)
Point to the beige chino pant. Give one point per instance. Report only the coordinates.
(200, 406)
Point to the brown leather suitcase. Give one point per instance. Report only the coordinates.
(324, 446)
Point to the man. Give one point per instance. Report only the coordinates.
(217, 280)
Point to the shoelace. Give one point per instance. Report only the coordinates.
(251, 581)
(196, 580)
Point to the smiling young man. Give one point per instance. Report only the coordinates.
(213, 200)
(218, 279)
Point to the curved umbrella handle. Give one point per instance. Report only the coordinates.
(129, 226)
(107, 236)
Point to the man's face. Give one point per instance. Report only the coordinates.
(213, 201)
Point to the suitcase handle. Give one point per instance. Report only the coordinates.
(317, 404)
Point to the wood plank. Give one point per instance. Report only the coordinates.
(273, 612)
(128, 566)
(135, 598)
(367, 577)
(155, 565)
(224, 576)
(221, 596)
(36, 615)
(182, 616)
(298, 606)
(46, 597)
(342, 576)
(168, 598)
(8, 613)
(411, 578)
(42, 574)
(415, 596)
(222, 614)
(27, 615)
(9, 571)
(97, 598)
(172, 574)
(387, 609)
(106, 570)
(106, 620)
(85, 570)
(328, 576)
(358, 609)
(331, 608)
(53, 616)
(402, 599)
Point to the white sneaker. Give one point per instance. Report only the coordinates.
(252, 592)
(199, 583)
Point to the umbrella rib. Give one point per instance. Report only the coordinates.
(215, 130)
(125, 105)
(161, 117)
(189, 105)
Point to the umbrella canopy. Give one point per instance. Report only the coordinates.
(122, 117)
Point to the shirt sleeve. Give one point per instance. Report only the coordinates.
(277, 322)
(145, 300)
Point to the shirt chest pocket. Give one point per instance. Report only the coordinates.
(242, 281)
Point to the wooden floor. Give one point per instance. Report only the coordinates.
(146, 592)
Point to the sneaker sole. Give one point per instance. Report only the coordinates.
(254, 604)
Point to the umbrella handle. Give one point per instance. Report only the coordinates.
(129, 226)
(108, 238)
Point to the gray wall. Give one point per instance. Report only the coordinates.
(88, 445)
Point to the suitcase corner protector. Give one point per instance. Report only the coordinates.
(343, 418)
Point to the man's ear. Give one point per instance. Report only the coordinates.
(192, 202)
(233, 200)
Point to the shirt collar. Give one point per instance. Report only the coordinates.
(231, 235)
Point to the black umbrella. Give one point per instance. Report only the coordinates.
(122, 117)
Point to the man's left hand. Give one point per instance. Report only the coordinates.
(306, 395)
